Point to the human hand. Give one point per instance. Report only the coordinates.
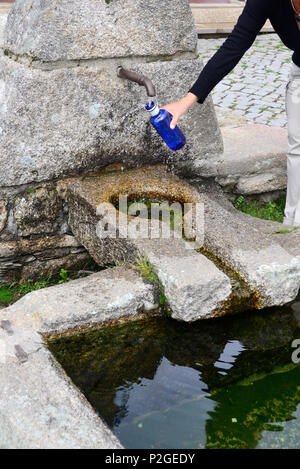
(178, 108)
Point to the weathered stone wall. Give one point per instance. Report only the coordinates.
(83, 29)
(64, 112)
(35, 238)
(69, 120)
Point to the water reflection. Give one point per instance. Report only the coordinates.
(227, 383)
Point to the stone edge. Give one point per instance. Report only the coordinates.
(31, 345)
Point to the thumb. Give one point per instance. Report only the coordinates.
(174, 122)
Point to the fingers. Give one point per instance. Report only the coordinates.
(173, 110)
(174, 122)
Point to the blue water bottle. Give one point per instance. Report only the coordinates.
(161, 119)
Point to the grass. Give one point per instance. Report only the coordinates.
(11, 293)
(273, 210)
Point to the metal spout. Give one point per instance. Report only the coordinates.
(138, 78)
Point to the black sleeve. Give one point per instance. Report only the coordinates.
(250, 22)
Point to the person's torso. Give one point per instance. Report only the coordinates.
(282, 18)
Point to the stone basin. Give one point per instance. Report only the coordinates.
(150, 181)
(195, 285)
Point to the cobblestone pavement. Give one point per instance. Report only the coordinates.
(254, 91)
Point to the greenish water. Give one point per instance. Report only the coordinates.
(226, 383)
(169, 212)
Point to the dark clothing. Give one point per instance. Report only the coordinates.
(253, 17)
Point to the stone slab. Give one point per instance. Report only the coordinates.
(104, 296)
(39, 406)
(99, 29)
(254, 159)
(288, 237)
(194, 287)
(68, 120)
(259, 257)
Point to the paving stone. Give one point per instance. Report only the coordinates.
(251, 74)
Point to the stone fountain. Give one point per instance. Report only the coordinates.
(66, 114)
(64, 111)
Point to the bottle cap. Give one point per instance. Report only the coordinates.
(152, 108)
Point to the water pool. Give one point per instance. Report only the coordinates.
(159, 383)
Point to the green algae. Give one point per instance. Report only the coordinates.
(243, 295)
(263, 407)
(145, 268)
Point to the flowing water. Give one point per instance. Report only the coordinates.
(225, 383)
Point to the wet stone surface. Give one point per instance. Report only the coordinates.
(188, 277)
(234, 237)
